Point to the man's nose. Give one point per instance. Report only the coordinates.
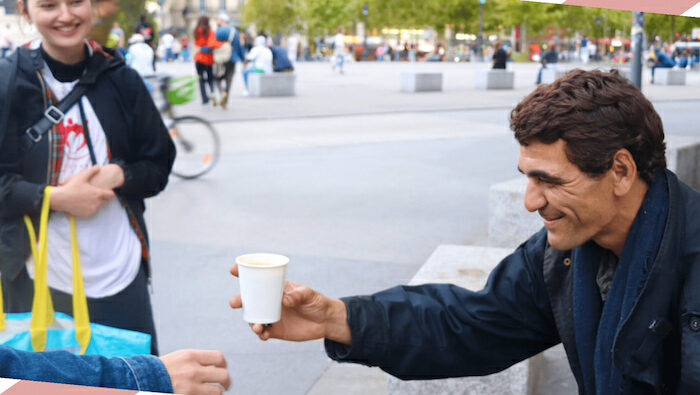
(534, 199)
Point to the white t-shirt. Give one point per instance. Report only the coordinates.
(167, 40)
(261, 56)
(110, 251)
(339, 44)
(140, 58)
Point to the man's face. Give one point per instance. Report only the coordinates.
(575, 207)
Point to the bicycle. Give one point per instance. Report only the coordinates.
(195, 138)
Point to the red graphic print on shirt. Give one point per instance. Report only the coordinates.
(76, 155)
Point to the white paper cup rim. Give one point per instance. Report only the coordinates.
(271, 260)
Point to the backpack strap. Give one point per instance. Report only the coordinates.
(7, 84)
(55, 113)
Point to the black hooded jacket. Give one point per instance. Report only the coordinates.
(137, 138)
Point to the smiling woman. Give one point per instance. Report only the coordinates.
(105, 152)
(63, 24)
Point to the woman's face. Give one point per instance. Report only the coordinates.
(63, 24)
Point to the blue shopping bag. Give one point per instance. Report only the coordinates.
(46, 330)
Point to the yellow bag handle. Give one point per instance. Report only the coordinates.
(42, 306)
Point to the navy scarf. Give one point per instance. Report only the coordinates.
(596, 324)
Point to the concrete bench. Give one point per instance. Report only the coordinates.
(510, 224)
(275, 84)
(419, 81)
(668, 76)
(551, 74)
(468, 267)
(494, 79)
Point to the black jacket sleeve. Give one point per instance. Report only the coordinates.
(151, 152)
(438, 331)
(17, 196)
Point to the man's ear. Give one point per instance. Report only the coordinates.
(624, 171)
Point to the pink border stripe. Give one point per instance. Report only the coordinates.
(26, 387)
(673, 7)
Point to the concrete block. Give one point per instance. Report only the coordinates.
(494, 79)
(668, 76)
(551, 74)
(468, 267)
(415, 81)
(509, 223)
(683, 158)
(275, 84)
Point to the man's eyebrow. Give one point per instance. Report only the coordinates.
(543, 176)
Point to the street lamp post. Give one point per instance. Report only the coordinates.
(365, 12)
(480, 37)
(637, 41)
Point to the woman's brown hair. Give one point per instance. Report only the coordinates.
(202, 27)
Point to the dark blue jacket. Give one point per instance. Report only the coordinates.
(439, 331)
(280, 60)
(223, 33)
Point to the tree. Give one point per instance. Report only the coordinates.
(278, 16)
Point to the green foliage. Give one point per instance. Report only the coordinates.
(666, 26)
(318, 16)
(274, 16)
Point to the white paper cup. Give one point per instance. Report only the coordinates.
(261, 278)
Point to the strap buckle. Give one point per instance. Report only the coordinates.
(34, 134)
(54, 115)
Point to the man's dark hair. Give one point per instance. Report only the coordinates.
(596, 113)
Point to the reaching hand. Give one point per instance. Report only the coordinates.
(109, 176)
(197, 372)
(306, 315)
(76, 196)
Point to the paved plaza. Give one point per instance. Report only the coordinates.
(356, 182)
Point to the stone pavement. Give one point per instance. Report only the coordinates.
(356, 182)
(374, 88)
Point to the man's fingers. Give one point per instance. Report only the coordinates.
(236, 302)
(234, 270)
(257, 328)
(297, 295)
(210, 358)
(216, 375)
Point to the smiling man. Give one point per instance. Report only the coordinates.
(614, 274)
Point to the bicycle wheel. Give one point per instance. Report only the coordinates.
(197, 146)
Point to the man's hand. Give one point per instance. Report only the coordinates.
(76, 196)
(110, 176)
(306, 315)
(197, 372)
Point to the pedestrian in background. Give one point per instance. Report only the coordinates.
(500, 56)
(139, 57)
(549, 60)
(206, 41)
(167, 41)
(185, 47)
(259, 60)
(339, 50)
(6, 40)
(228, 33)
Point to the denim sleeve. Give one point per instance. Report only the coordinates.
(441, 330)
(142, 373)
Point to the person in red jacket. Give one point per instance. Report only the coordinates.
(205, 41)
